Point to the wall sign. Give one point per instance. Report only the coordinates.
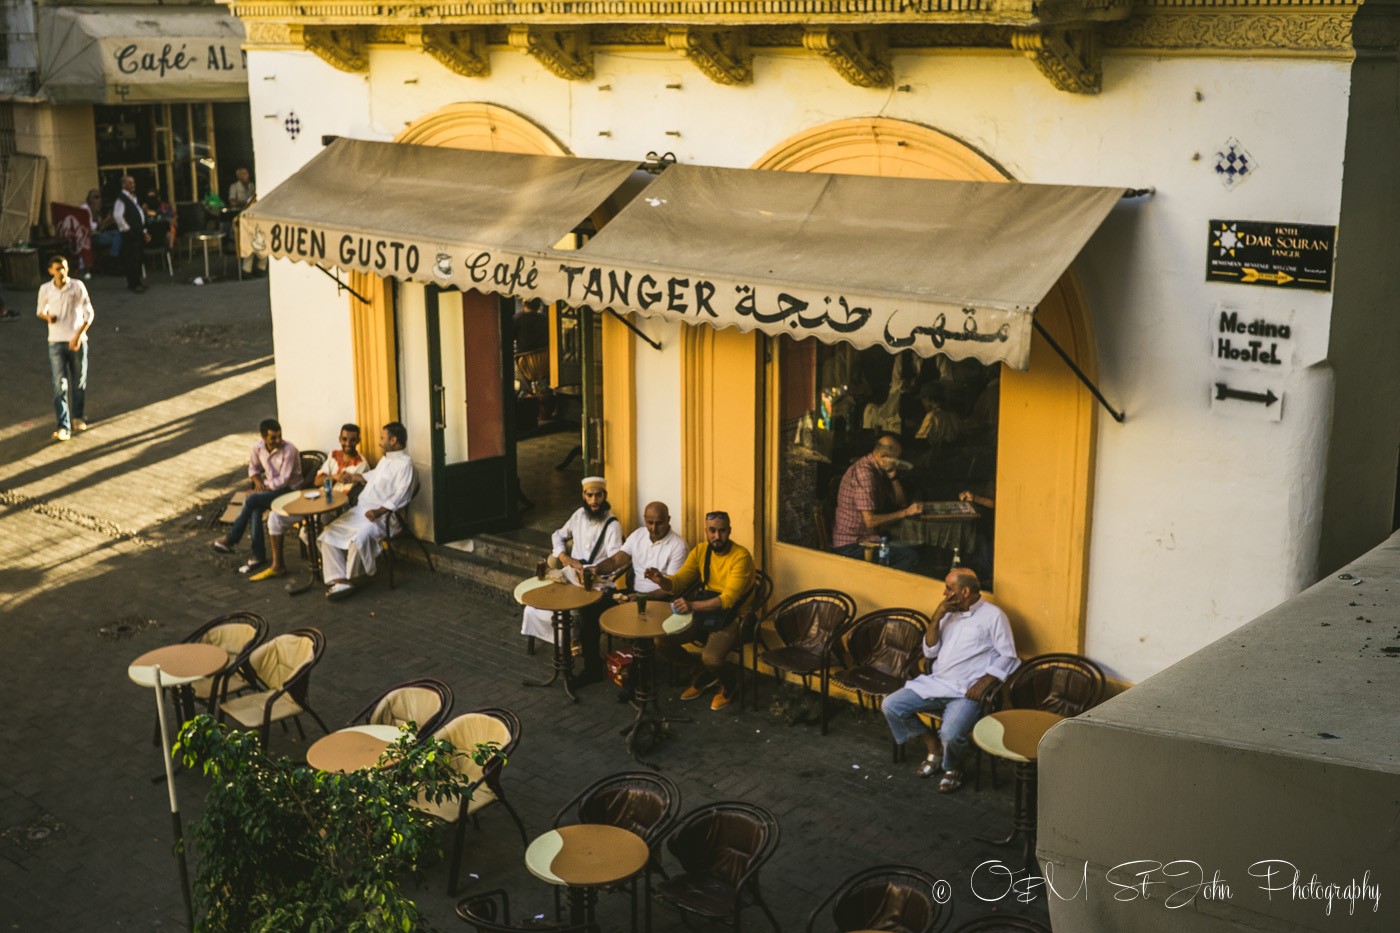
(1251, 252)
(1255, 340)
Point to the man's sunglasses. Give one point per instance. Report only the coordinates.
(715, 516)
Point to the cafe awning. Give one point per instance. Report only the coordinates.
(934, 266)
(137, 54)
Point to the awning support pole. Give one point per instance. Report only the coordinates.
(635, 329)
(341, 285)
(1040, 329)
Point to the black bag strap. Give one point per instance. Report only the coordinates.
(705, 574)
(597, 545)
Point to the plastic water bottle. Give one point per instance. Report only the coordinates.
(330, 489)
(884, 550)
(957, 557)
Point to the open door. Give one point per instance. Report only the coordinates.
(591, 352)
(471, 372)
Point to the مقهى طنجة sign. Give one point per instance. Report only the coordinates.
(1270, 254)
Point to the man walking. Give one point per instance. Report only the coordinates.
(64, 304)
(131, 221)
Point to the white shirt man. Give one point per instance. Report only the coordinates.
(350, 544)
(590, 536)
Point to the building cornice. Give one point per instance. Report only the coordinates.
(1064, 38)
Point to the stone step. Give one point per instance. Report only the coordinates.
(502, 550)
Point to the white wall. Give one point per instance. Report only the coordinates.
(1201, 521)
(658, 421)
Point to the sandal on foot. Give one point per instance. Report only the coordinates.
(221, 547)
(929, 767)
(267, 574)
(252, 565)
(950, 782)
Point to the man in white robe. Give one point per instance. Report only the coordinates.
(350, 544)
(590, 536)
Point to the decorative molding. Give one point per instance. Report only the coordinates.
(461, 49)
(1068, 57)
(721, 54)
(266, 33)
(341, 47)
(1205, 31)
(564, 50)
(653, 34)
(860, 56)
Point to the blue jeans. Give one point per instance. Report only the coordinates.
(902, 556)
(252, 513)
(112, 239)
(960, 714)
(69, 371)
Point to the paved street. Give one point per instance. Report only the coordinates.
(103, 555)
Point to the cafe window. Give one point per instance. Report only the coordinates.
(166, 147)
(834, 403)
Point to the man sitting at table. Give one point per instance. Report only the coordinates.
(654, 546)
(338, 467)
(590, 535)
(350, 544)
(724, 571)
(274, 467)
(973, 651)
(870, 499)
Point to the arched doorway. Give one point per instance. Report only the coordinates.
(1045, 439)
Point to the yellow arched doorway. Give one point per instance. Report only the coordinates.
(1046, 438)
(492, 128)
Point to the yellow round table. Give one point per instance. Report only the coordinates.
(562, 600)
(1014, 735)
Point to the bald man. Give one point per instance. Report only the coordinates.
(654, 546)
(972, 651)
(131, 221)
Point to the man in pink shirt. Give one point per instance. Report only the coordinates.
(274, 466)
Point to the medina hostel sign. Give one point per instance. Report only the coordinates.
(1277, 255)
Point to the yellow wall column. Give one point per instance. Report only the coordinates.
(620, 419)
(376, 362)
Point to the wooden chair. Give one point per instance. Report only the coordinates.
(393, 535)
(490, 724)
(810, 625)
(425, 702)
(721, 847)
(884, 650)
(282, 677)
(886, 897)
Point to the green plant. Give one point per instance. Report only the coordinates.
(287, 849)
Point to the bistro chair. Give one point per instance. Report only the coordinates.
(810, 625)
(489, 912)
(310, 463)
(721, 847)
(281, 671)
(887, 897)
(490, 724)
(1003, 923)
(884, 650)
(238, 633)
(1067, 684)
(641, 802)
(426, 702)
(394, 536)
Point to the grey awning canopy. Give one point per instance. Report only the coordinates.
(934, 266)
(135, 54)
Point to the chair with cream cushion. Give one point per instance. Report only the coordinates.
(426, 702)
(491, 724)
(238, 633)
(282, 669)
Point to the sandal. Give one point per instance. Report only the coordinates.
(221, 547)
(950, 782)
(253, 565)
(929, 767)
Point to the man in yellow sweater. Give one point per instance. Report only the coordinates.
(725, 573)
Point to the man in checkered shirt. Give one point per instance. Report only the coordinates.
(871, 498)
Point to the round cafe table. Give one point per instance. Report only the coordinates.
(585, 857)
(1014, 735)
(628, 620)
(561, 599)
(180, 666)
(310, 505)
(351, 749)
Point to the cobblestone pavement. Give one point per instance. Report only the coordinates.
(103, 555)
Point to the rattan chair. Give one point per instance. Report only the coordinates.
(282, 678)
(425, 702)
(884, 650)
(641, 802)
(393, 535)
(238, 633)
(721, 847)
(1067, 684)
(810, 625)
(489, 912)
(491, 724)
(898, 898)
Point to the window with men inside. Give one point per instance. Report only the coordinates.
(889, 458)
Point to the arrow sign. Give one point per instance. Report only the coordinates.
(1254, 275)
(1222, 391)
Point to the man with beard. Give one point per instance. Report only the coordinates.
(724, 570)
(589, 536)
